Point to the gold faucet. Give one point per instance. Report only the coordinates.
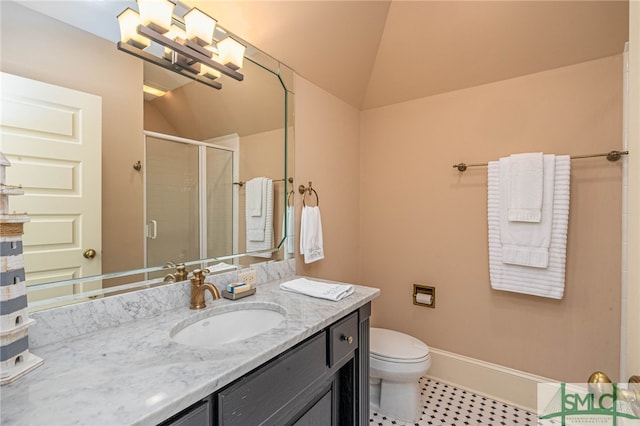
(198, 287)
(181, 272)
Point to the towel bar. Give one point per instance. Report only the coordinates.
(611, 156)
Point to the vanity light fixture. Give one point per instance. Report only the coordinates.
(190, 48)
(200, 27)
(156, 14)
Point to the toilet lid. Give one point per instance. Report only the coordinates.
(396, 345)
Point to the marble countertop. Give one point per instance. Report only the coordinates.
(135, 374)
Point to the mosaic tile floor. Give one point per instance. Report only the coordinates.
(448, 405)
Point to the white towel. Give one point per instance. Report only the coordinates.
(317, 289)
(254, 193)
(526, 243)
(547, 282)
(525, 187)
(290, 227)
(311, 244)
(257, 224)
(261, 226)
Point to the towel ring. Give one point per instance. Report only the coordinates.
(291, 193)
(304, 190)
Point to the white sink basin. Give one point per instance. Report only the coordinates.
(226, 327)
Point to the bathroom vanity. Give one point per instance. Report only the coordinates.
(311, 369)
(317, 382)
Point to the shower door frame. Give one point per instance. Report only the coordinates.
(228, 143)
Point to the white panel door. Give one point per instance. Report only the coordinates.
(53, 138)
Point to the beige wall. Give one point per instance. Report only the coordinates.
(424, 222)
(327, 153)
(420, 221)
(155, 121)
(40, 48)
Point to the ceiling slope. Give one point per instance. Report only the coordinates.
(376, 53)
(431, 47)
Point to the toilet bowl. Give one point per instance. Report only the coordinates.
(397, 361)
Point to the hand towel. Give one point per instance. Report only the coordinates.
(526, 243)
(525, 179)
(254, 194)
(317, 289)
(311, 244)
(548, 282)
(256, 224)
(290, 227)
(261, 226)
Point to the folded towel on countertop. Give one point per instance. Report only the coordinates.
(525, 186)
(317, 289)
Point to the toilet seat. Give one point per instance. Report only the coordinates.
(393, 346)
(400, 360)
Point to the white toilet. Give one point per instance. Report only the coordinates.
(397, 361)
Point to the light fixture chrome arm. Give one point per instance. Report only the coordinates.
(193, 52)
(192, 74)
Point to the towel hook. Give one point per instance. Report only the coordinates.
(304, 190)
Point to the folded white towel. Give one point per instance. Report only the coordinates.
(525, 187)
(221, 267)
(254, 193)
(526, 243)
(311, 244)
(547, 282)
(317, 289)
(256, 224)
(261, 226)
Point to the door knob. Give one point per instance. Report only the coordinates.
(89, 253)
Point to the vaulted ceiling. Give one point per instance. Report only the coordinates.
(375, 53)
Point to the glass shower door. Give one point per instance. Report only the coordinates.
(173, 207)
(219, 202)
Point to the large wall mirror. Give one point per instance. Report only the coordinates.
(170, 171)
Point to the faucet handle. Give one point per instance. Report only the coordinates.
(199, 274)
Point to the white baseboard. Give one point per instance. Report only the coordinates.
(504, 384)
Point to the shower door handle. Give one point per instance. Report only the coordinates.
(152, 229)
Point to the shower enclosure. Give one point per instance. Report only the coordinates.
(190, 200)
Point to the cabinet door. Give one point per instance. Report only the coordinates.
(258, 396)
(197, 415)
(320, 414)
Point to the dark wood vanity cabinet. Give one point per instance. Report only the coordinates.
(322, 381)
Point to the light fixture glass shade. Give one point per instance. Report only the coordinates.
(129, 21)
(156, 14)
(209, 72)
(231, 53)
(200, 26)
